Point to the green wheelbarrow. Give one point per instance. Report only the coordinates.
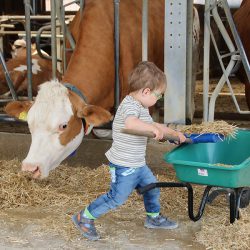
(222, 165)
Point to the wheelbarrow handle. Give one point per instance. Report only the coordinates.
(150, 134)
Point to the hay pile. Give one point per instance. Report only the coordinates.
(69, 189)
(217, 127)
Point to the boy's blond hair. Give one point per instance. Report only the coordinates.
(146, 75)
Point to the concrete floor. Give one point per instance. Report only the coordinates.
(20, 228)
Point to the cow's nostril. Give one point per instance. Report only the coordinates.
(30, 167)
(36, 173)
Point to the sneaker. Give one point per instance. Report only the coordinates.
(86, 227)
(160, 222)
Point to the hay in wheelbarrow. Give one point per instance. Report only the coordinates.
(207, 132)
(217, 127)
(69, 189)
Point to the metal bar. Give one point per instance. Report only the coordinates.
(117, 53)
(64, 38)
(190, 196)
(189, 75)
(206, 61)
(5, 17)
(53, 38)
(145, 30)
(28, 47)
(4, 25)
(7, 77)
(175, 64)
(237, 39)
(233, 205)
(34, 7)
(81, 6)
(38, 47)
(58, 4)
(22, 33)
(191, 202)
(7, 118)
(227, 71)
(61, 17)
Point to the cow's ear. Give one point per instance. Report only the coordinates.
(94, 115)
(18, 109)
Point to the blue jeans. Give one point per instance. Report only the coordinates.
(123, 181)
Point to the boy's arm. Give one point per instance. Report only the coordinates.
(167, 130)
(133, 122)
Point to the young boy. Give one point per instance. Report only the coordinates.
(127, 155)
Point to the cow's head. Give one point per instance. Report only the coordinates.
(55, 123)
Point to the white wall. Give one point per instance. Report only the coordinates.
(72, 7)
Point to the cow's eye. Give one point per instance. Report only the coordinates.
(63, 126)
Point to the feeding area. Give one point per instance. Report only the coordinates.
(69, 189)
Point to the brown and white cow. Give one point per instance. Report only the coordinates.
(17, 67)
(19, 48)
(55, 123)
(91, 70)
(242, 22)
(92, 62)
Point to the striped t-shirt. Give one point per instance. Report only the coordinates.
(128, 150)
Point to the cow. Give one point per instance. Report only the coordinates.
(91, 72)
(93, 58)
(19, 49)
(55, 123)
(242, 22)
(17, 67)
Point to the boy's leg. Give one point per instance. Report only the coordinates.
(151, 198)
(152, 205)
(123, 183)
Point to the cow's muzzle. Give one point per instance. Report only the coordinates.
(33, 168)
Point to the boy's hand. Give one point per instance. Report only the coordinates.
(181, 136)
(158, 133)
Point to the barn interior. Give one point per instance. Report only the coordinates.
(36, 214)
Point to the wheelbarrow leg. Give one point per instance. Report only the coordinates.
(233, 205)
(216, 193)
(235, 202)
(244, 198)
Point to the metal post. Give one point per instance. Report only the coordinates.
(64, 39)
(28, 47)
(237, 39)
(145, 30)
(206, 60)
(81, 6)
(175, 63)
(7, 77)
(189, 79)
(53, 38)
(117, 53)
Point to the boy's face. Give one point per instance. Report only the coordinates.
(150, 97)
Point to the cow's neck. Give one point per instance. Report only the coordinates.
(76, 90)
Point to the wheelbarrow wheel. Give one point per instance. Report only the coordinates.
(245, 198)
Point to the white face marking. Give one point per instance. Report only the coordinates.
(35, 67)
(51, 108)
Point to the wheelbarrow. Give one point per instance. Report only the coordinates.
(223, 165)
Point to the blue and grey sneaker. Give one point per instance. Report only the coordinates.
(160, 222)
(86, 227)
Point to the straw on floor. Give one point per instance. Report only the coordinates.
(69, 189)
